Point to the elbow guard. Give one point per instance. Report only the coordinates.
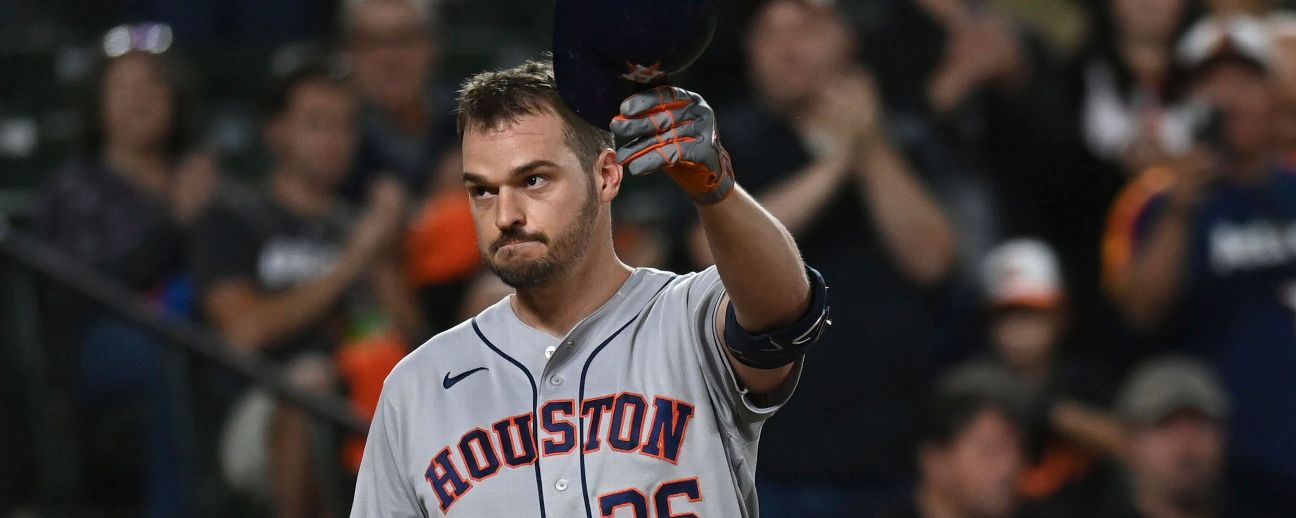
(781, 346)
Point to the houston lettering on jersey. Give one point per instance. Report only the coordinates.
(655, 429)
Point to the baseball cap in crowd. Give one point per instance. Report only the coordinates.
(1234, 39)
(963, 392)
(1023, 273)
(605, 51)
(1164, 386)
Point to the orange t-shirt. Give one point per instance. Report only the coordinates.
(441, 244)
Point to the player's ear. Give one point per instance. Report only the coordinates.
(607, 172)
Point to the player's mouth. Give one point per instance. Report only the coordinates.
(514, 248)
(516, 240)
(515, 244)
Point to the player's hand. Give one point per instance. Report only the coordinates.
(673, 129)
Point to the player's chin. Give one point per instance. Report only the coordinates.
(525, 273)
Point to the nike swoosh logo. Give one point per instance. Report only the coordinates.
(450, 381)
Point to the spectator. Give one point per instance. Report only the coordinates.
(407, 120)
(814, 148)
(974, 96)
(1027, 307)
(1196, 254)
(1126, 83)
(1028, 318)
(970, 451)
(409, 133)
(1174, 446)
(291, 275)
(124, 207)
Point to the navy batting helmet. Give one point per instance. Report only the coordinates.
(607, 50)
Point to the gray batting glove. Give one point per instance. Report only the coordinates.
(673, 129)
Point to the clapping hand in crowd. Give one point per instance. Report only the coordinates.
(378, 227)
(193, 186)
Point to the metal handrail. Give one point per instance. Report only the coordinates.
(69, 273)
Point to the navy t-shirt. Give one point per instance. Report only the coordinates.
(1238, 311)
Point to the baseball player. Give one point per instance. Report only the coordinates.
(596, 389)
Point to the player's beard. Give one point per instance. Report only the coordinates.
(562, 255)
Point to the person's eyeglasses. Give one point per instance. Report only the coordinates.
(153, 38)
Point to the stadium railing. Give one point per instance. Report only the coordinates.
(26, 265)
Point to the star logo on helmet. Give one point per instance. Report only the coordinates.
(643, 74)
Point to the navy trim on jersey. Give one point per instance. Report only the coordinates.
(535, 407)
(580, 397)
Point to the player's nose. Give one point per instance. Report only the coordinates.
(508, 209)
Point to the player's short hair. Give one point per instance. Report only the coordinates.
(491, 100)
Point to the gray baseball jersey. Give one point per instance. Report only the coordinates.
(635, 413)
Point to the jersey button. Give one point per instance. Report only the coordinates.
(549, 351)
(561, 485)
(556, 380)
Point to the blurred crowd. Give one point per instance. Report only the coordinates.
(1060, 237)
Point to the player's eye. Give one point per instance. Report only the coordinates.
(478, 192)
(535, 180)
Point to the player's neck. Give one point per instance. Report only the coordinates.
(581, 291)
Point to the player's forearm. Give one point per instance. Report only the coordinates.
(758, 262)
(796, 203)
(673, 130)
(914, 228)
(1157, 271)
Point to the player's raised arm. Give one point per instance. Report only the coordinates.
(775, 309)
